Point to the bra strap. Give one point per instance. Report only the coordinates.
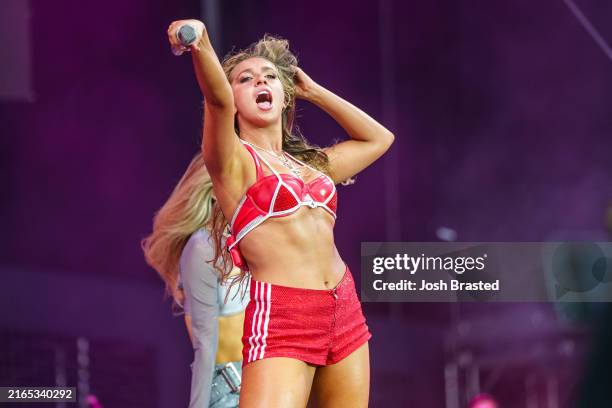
(259, 158)
(258, 169)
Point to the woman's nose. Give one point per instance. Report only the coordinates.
(261, 80)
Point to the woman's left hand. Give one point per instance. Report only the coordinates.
(304, 85)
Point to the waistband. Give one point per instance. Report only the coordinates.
(236, 364)
(291, 290)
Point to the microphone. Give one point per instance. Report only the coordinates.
(186, 36)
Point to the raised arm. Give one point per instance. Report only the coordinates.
(369, 139)
(223, 152)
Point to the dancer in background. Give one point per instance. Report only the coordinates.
(180, 249)
(304, 328)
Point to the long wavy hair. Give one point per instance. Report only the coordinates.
(189, 208)
(276, 50)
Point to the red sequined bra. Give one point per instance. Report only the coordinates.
(276, 195)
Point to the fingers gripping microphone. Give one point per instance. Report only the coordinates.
(186, 36)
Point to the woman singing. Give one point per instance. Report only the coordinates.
(304, 329)
(180, 250)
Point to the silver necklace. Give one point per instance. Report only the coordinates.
(297, 172)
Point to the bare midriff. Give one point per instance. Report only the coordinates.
(229, 346)
(296, 250)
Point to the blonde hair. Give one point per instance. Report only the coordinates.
(189, 208)
(276, 50)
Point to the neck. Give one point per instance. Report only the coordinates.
(268, 138)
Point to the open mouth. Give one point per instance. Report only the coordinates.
(264, 100)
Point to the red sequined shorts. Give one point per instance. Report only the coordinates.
(320, 327)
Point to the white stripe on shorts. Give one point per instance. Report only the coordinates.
(253, 322)
(261, 297)
(265, 328)
(261, 319)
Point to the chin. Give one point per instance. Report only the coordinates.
(263, 119)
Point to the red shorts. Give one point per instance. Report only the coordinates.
(320, 327)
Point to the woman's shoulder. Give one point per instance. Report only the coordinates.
(201, 242)
(197, 254)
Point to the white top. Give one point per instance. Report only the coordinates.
(204, 303)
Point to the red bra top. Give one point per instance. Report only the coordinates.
(277, 195)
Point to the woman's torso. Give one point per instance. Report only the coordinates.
(230, 322)
(293, 249)
(297, 250)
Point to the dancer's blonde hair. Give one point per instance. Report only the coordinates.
(189, 208)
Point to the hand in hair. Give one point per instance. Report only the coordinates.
(175, 26)
(304, 85)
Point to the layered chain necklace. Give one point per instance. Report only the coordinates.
(297, 171)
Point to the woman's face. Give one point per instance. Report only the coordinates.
(258, 92)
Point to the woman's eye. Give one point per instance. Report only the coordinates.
(244, 79)
(271, 76)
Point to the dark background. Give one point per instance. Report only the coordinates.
(501, 112)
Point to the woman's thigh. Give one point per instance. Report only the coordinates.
(344, 384)
(276, 382)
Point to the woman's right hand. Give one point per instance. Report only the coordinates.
(175, 43)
